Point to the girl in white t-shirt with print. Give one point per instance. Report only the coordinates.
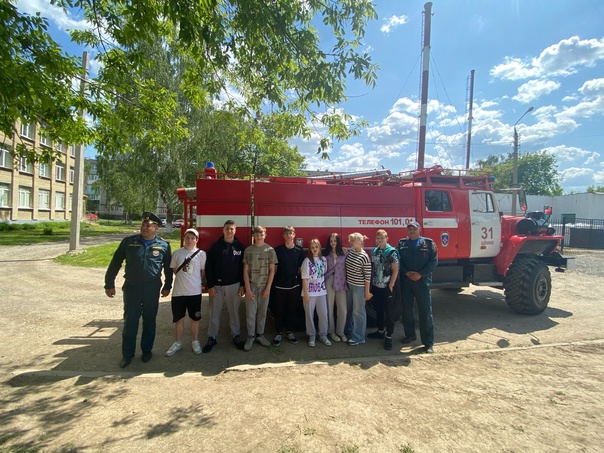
(314, 293)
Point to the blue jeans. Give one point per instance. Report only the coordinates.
(420, 291)
(359, 315)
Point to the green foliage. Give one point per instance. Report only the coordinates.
(269, 52)
(595, 189)
(36, 83)
(537, 172)
(48, 231)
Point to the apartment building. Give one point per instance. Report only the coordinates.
(35, 191)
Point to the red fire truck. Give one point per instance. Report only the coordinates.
(477, 244)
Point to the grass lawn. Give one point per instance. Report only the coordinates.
(100, 255)
(94, 256)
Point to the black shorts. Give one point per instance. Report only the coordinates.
(182, 304)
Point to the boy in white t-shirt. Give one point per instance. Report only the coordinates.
(188, 264)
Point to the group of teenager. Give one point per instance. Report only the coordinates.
(335, 283)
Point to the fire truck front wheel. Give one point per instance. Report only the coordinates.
(527, 286)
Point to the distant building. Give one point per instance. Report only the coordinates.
(35, 191)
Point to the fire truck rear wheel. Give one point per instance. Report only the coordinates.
(528, 286)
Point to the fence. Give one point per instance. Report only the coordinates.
(580, 233)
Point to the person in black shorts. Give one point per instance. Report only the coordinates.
(188, 264)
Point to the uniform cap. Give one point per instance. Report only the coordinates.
(413, 224)
(150, 217)
(194, 231)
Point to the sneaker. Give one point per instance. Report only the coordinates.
(334, 338)
(388, 343)
(248, 344)
(209, 345)
(351, 342)
(409, 339)
(196, 347)
(238, 342)
(311, 342)
(277, 339)
(344, 338)
(377, 335)
(429, 350)
(263, 341)
(292, 338)
(323, 339)
(176, 346)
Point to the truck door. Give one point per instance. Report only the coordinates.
(486, 225)
(441, 222)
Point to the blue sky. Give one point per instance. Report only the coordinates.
(546, 54)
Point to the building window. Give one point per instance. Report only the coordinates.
(43, 199)
(24, 197)
(70, 201)
(44, 170)
(25, 166)
(60, 201)
(45, 141)
(60, 172)
(71, 175)
(72, 150)
(4, 195)
(28, 131)
(5, 158)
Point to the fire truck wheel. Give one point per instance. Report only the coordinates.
(527, 286)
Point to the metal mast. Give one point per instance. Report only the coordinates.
(470, 119)
(423, 116)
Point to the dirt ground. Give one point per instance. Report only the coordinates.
(498, 381)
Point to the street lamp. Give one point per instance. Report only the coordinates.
(515, 169)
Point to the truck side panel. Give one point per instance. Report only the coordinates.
(317, 210)
(219, 200)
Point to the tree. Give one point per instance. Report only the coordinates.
(236, 143)
(537, 172)
(595, 189)
(36, 83)
(269, 51)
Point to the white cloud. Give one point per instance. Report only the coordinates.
(392, 22)
(561, 59)
(63, 20)
(572, 154)
(534, 89)
(514, 69)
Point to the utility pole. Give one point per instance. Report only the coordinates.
(515, 168)
(423, 116)
(470, 119)
(78, 183)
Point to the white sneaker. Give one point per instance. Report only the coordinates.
(323, 339)
(177, 346)
(334, 338)
(248, 344)
(311, 342)
(344, 338)
(196, 347)
(263, 341)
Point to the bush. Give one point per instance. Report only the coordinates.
(29, 226)
(48, 231)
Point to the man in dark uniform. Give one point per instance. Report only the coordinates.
(145, 255)
(417, 260)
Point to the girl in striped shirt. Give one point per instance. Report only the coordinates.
(358, 278)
